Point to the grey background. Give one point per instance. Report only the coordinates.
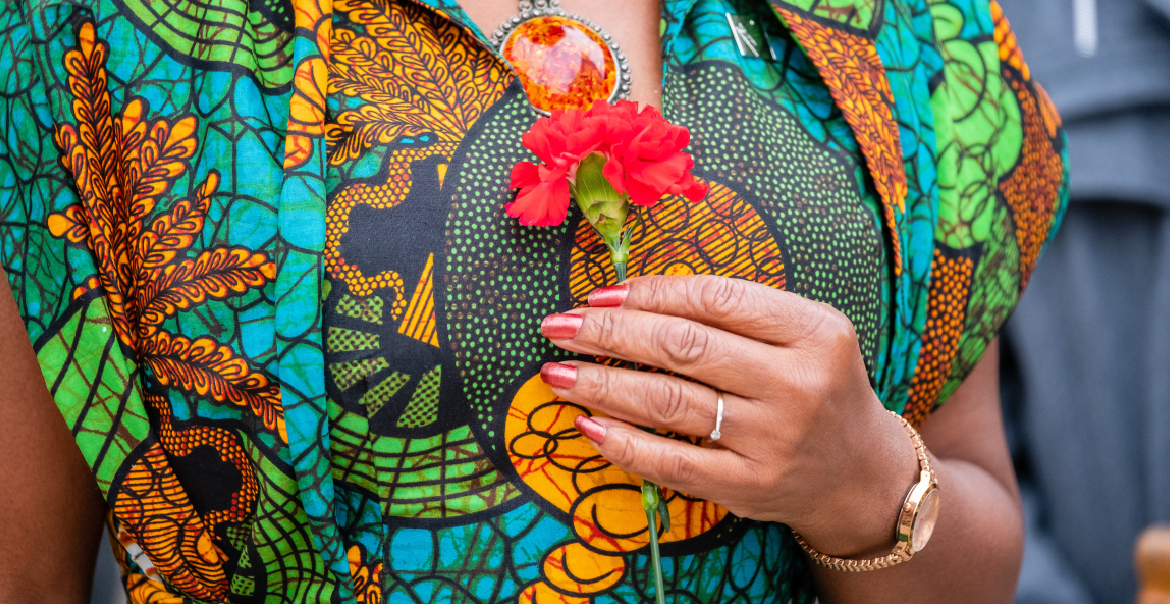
(107, 577)
(1086, 364)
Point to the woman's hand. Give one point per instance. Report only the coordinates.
(805, 440)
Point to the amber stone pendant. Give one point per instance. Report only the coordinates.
(563, 60)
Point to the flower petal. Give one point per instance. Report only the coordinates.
(524, 174)
(657, 177)
(543, 204)
(643, 195)
(614, 171)
(695, 190)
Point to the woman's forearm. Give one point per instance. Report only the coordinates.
(50, 507)
(973, 557)
(978, 544)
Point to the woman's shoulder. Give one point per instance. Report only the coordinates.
(1002, 176)
(967, 153)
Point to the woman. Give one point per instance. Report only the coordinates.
(264, 264)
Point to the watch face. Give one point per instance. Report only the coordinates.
(924, 520)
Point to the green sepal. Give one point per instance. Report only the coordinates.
(603, 207)
(649, 496)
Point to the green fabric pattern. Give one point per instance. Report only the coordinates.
(261, 252)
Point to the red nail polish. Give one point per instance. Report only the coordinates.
(609, 296)
(561, 327)
(591, 429)
(559, 375)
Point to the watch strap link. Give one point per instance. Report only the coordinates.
(846, 564)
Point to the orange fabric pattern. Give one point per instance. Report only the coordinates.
(857, 80)
(1032, 189)
(155, 510)
(125, 164)
(720, 235)
(950, 283)
(367, 576)
(564, 468)
(443, 64)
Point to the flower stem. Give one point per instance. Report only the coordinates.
(607, 212)
(619, 251)
(620, 269)
(652, 502)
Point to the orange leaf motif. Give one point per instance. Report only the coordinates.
(215, 371)
(417, 69)
(216, 274)
(124, 166)
(853, 71)
(177, 231)
(414, 72)
(306, 120)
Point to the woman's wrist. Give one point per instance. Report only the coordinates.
(857, 518)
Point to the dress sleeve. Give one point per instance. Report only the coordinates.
(54, 279)
(1003, 188)
(32, 181)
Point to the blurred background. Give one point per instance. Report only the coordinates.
(1086, 358)
(107, 578)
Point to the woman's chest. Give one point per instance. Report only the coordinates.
(435, 295)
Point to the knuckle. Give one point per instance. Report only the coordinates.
(625, 453)
(670, 405)
(828, 325)
(841, 328)
(599, 384)
(809, 323)
(811, 381)
(653, 292)
(681, 469)
(686, 344)
(607, 329)
(722, 296)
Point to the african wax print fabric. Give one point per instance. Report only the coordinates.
(261, 252)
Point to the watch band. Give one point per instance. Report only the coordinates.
(904, 527)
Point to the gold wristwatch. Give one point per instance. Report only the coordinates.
(915, 521)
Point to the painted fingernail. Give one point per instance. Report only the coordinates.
(559, 375)
(561, 327)
(591, 429)
(609, 296)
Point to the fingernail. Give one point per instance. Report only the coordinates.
(559, 375)
(561, 327)
(591, 429)
(609, 296)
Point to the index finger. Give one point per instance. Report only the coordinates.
(747, 308)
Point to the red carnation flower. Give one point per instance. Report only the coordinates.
(644, 160)
(560, 142)
(645, 154)
(604, 159)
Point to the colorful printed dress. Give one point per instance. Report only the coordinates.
(261, 251)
